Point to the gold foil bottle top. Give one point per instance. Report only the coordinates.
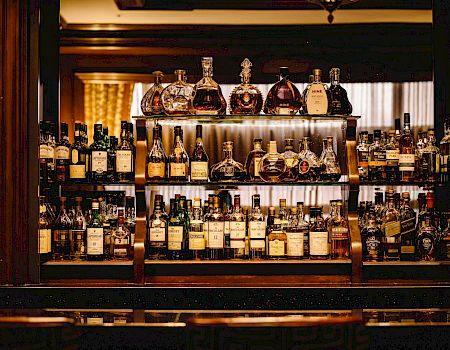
(181, 74)
(228, 145)
(246, 70)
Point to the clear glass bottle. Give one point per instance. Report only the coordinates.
(124, 156)
(177, 97)
(391, 229)
(99, 156)
(246, 98)
(363, 155)
(427, 235)
(392, 154)
(272, 165)
(207, 95)
(78, 239)
(406, 160)
(94, 234)
(339, 234)
(62, 155)
(295, 234)
(291, 161)
(276, 241)
(253, 161)
(340, 104)
(257, 230)
(228, 169)
(317, 98)
(331, 169)
(199, 159)
(215, 230)
(157, 238)
(197, 242)
(309, 167)
(445, 154)
(237, 230)
(130, 221)
(283, 97)
(45, 232)
(305, 226)
(151, 103)
(431, 160)
(377, 158)
(121, 238)
(408, 227)
(318, 236)
(178, 159)
(156, 158)
(371, 237)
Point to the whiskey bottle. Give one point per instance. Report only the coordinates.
(121, 238)
(51, 143)
(408, 230)
(295, 234)
(317, 99)
(283, 214)
(237, 230)
(406, 160)
(363, 156)
(391, 229)
(61, 233)
(398, 131)
(331, 169)
(178, 159)
(339, 99)
(130, 221)
(157, 240)
(111, 176)
(124, 156)
(43, 153)
(176, 234)
(94, 234)
(177, 97)
(246, 98)
(62, 155)
(197, 242)
(78, 239)
(151, 103)
(253, 161)
(291, 161)
(392, 154)
(377, 158)
(45, 232)
(431, 160)
(257, 230)
(339, 234)
(216, 229)
(309, 167)
(272, 165)
(371, 237)
(427, 238)
(156, 158)
(318, 235)
(445, 154)
(444, 243)
(99, 156)
(207, 95)
(277, 241)
(199, 159)
(228, 169)
(283, 97)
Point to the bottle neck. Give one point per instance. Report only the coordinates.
(334, 78)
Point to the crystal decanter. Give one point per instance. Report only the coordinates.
(228, 169)
(309, 166)
(272, 165)
(151, 103)
(177, 97)
(208, 97)
(331, 169)
(246, 98)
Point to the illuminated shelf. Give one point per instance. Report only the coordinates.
(247, 183)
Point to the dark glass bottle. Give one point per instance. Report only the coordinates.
(406, 160)
(43, 152)
(178, 159)
(215, 231)
(99, 156)
(392, 149)
(377, 158)
(176, 233)
(95, 234)
(61, 233)
(121, 238)
(253, 161)
(156, 158)
(228, 169)
(444, 244)
(77, 167)
(339, 99)
(318, 236)
(157, 240)
(112, 157)
(124, 156)
(408, 227)
(45, 231)
(283, 97)
(130, 221)
(391, 228)
(199, 159)
(62, 155)
(427, 238)
(197, 241)
(78, 239)
(371, 237)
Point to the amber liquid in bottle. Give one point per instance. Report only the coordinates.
(406, 160)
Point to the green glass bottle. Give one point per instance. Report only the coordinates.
(95, 234)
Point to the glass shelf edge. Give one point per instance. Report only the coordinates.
(230, 118)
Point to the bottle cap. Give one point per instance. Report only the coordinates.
(406, 118)
(273, 147)
(335, 71)
(284, 71)
(317, 72)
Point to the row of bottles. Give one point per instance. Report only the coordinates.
(269, 166)
(391, 230)
(92, 229)
(395, 156)
(220, 230)
(106, 159)
(205, 97)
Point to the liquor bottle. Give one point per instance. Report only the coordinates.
(309, 167)
(197, 244)
(45, 232)
(61, 233)
(283, 97)
(391, 229)
(272, 165)
(431, 160)
(156, 158)
(62, 155)
(444, 243)
(257, 230)
(379, 205)
(124, 156)
(445, 154)
(199, 159)
(331, 169)
(406, 159)
(422, 201)
(295, 234)
(225, 200)
(283, 214)
(176, 234)
(253, 161)
(363, 156)
(318, 235)
(408, 230)
(216, 228)
(78, 239)
(246, 98)
(130, 221)
(43, 152)
(305, 225)
(208, 97)
(228, 169)
(51, 143)
(291, 161)
(178, 159)
(237, 230)
(99, 156)
(151, 103)
(177, 97)
(392, 154)
(377, 158)
(112, 157)
(398, 132)
(339, 99)
(427, 238)
(276, 241)
(77, 167)
(371, 237)
(94, 234)
(317, 99)
(121, 238)
(339, 234)
(157, 240)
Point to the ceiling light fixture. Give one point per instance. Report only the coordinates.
(331, 6)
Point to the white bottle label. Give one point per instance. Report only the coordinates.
(295, 243)
(216, 234)
(317, 100)
(237, 244)
(74, 156)
(196, 240)
(99, 161)
(156, 169)
(318, 243)
(199, 171)
(124, 161)
(406, 162)
(257, 229)
(257, 164)
(174, 237)
(257, 243)
(62, 152)
(177, 169)
(77, 171)
(276, 248)
(44, 236)
(43, 151)
(94, 241)
(51, 152)
(157, 234)
(392, 154)
(237, 230)
(283, 110)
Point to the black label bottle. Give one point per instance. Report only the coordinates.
(62, 155)
(124, 156)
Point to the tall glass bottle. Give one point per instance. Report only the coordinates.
(339, 99)
(45, 232)
(77, 167)
(339, 234)
(61, 233)
(228, 169)
(305, 227)
(99, 156)
(237, 230)
(318, 235)
(377, 158)
(246, 98)
(431, 160)
(178, 159)
(276, 241)
(272, 165)
(121, 238)
(392, 154)
(331, 169)
(371, 237)
(112, 160)
(283, 97)
(78, 239)
(295, 233)
(427, 235)
(257, 230)
(363, 155)
(208, 97)
(62, 155)
(157, 239)
(151, 103)
(199, 159)
(391, 228)
(291, 161)
(197, 242)
(445, 154)
(253, 161)
(309, 167)
(216, 229)
(317, 98)
(156, 158)
(177, 97)
(406, 160)
(176, 234)
(124, 156)
(408, 229)
(94, 234)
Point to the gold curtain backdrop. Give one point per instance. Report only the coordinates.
(107, 104)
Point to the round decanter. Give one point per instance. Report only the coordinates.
(151, 102)
(177, 97)
(272, 165)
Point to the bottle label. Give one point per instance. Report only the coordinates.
(339, 232)
(120, 252)
(276, 248)
(289, 162)
(177, 169)
(256, 167)
(318, 243)
(99, 161)
(174, 237)
(406, 162)
(197, 240)
(363, 158)
(408, 225)
(391, 228)
(258, 243)
(62, 152)
(77, 171)
(60, 236)
(51, 152)
(444, 164)
(392, 157)
(44, 236)
(237, 230)
(94, 240)
(124, 161)
(79, 246)
(303, 166)
(215, 234)
(257, 229)
(156, 169)
(283, 110)
(199, 171)
(157, 234)
(378, 158)
(373, 245)
(407, 249)
(44, 151)
(317, 100)
(295, 243)
(237, 244)
(74, 156)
